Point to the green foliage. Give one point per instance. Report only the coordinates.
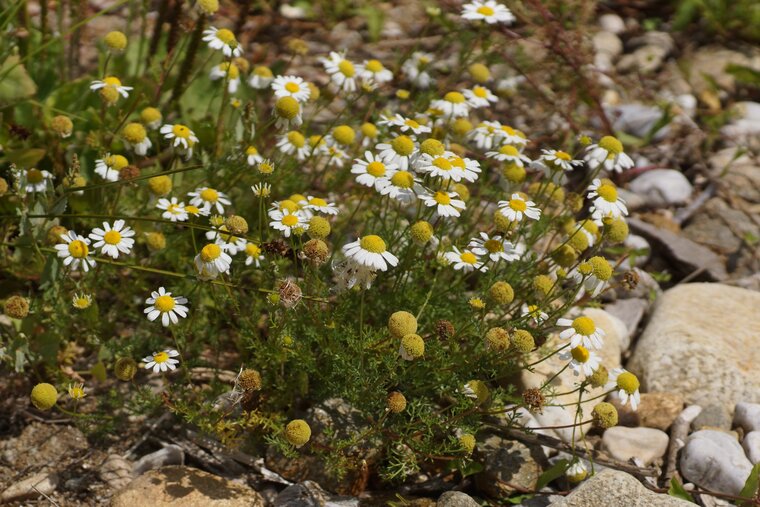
(727, 18)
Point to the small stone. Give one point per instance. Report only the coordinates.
(747, 416)
(116, 471)
(32, 487)
(508, 466)
(612, 23)
(662, 187)
(309, 494)
(644, 60)
(751, 445)
(714, 460)
(608, 43)
(611, 488)
(456, 499)
(638, 120)
(712, 417)
(646, 444)
(659, 410)
(630, 312)
(169, 455)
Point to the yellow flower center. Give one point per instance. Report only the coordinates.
(580, 354)
(164, 303)
(376, 169)
(290, 220)
(372, 243)
(292, 86)
(346, 68)
(585, 269)
(266, 168)
(112, 237)
(468, 257)
(485, 11)
(290, 204)
(192, 209)
(181, 131)
(454, 97)
(584, 326)
(226, 36)
(210, 252)
(411, 123)
(134, 133)
(494, 245)
(265, 72)
(78, 249)
(611, 144)
(251, 151)
(209, 195)
(510, 150)
(442, 198)
(81, 302)
(518, 204)
(480, 92)
(442, 163)
(628, 382)
(232, 71)
(34, 176)
(607, 192)
(112, 81)
(76, 392)
(296, 139)
(161, 357)
(252, 250)
(316, 201)
(403, 179)
(374, 66)
(563, 156)
(403, 145)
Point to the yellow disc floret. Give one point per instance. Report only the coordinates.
(402, 323)
(44, 396)
(297, 432)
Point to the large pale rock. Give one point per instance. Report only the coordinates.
(709, 64)
(309, 494)
(176, 486)
(703, 342)
(751, 445)
(508, 466)
(714, 460)
(611, 488)
(662, 187)
(456, 499)
(646, 444)
(747, 416)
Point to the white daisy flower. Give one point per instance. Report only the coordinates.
(453, 105)
(576, 472)
(534, 312)
(582, 360)
(261, 77)
(291, 86)
(509, 153)
(582, 331)
(320, 205)
(405, 124)
(230, 243)
(211, 261)
(496, 248)
(161, 361)
(75, 252)
(373, 72)
(517, 207)
(253, 156)
(136, 138)
(445, 203)
(627, 385)
(479, 96)
(349, 274)
(399, 151)
(342, 72)
(253, 255)
(112, 240)
(227, 71)
(81, 301)
(163, 304)
(372, 171)
(294, 143)
(208, 198)
(560, 159)
(286, 221)
(222, 40)
(609, 154)
(466, 260)
(485, 135)
(606, 200)
(262, 189)
(109, 166)
(508, 135)
(489, 11)
(415, 68)
(440, 166)
(34, 180)
(183, 137)
(111, 82)
(402, 186)
(173, 209)
(370, 251)
(469, 168)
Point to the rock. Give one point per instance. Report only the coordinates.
(714, 460)
(508, 466)
(630, 312)
(40, 444)
(646, 444)
(309, 494)
(751, 445)
(709, 64)
(702, 342)
(638, 120)
(116, 471)
(662, 187)
(186, 487)
(683, 252)
(612, 23)
(711, 417)
(632, 201)
(747, 416)
(456, 499)
(32, 487)
(169, 455)
(644, 60)
(608, 43)
(611, 488)
(659, 410)
(640, 249)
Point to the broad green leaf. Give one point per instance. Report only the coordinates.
(750, 488)
(677, 490)
(552, 473)
(17, 84)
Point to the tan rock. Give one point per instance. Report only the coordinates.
(656, 410)
(34, 486)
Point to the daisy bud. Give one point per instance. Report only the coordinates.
(522, 340)
(605, 415)
(249, 380)
(534, 399)
(501, 222)
(467, 442)
(497, 339)
(287, 107)
(402, 323)
(319, 227)
(344, 134)
(54, 234)
(600, 377)
(44, 396)
(616, 231)
(444, 329)
(502, 293)
(396, 402)
(133, 133)
(565, 256)
(109, 95)
(412, 347)
(316, 251)
(62, 126)
(576, 473)
(151, 117)
(16, 307)
(479, 391)
(298, 46)
(479, 72)
(125, 369)
(156, 241)
(574, 202)
(432, 147)
(461, 126)
(160, 185)
(369, 130)
(402, 94)
(237, 225)
(297, 432)
(74, 181)
(208, 6)
(579, 241)
(476, 303)
(600, 268)
(543, 285)
(115, 41)
(421, 232)
(461, 190)
(216, 220)
(513, 173)
(290, 294)
(314, 92)
(3, 186)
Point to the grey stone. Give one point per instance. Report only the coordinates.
(612, 23)
(702, 342)
(747, 416)
(662, 187)
(709, 63)
(751, 445)
(638, 120)
(712, 416)
(644, 60)
(608, 43)
(611, 488)
(309, 494)
(632, 200)
(646, 444)
(34, 486)
(456, 499)
(169, 455)
(714, 460)
(630, 312)
(508, 466)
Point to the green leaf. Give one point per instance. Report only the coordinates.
(16, 84)
(744, 75)
(750, 488)
(556, 471)
(677, 490)
(375, 18)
